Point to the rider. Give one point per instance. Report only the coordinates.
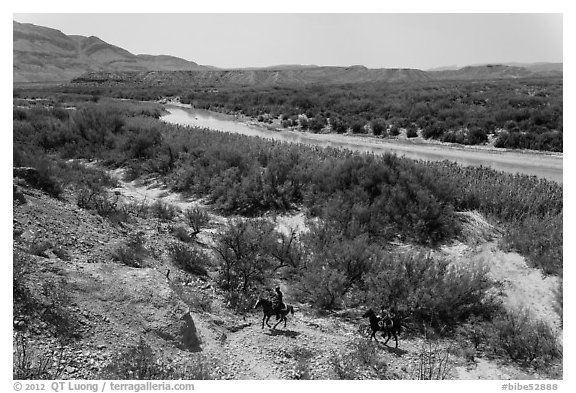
(278, 301)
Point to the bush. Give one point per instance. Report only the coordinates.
(525, 341)
(362, 357)
(378, 126)
(197, 219)
(140, 362)
(104, 203)
(243, 250)
(540, 239)
(28, 364)
(164, 211)
(411, 131)
(394, 130)
(476, 135)
(433, 361)
(40, 176)
(181, 233)
(335, 266)
(57, 302)
(189, 259)
(441, 295)
(133, 252)
(21, 268)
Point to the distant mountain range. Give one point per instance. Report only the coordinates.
(43, 54)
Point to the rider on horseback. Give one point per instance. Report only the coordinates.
(277, 301)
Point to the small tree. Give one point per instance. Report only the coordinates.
(197, 219)
(243, 250)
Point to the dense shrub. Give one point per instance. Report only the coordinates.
(524, 340)
(243, 251)
(188, 258)
(439, 294)
(164, 210)
(540, 240)
(387, 198)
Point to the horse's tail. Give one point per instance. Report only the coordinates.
(291, 310)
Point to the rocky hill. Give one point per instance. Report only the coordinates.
(263, 77)
(307, 75)
(43, 54)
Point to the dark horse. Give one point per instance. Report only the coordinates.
(269, 311)
(388, 325)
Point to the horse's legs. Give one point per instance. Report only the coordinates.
(373, 336)
(285, 320)
(263, 318)
(268, 319)
(389, 335)
(276, 324)
(396, 338)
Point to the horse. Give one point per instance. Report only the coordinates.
(388, 325)
(269, 311)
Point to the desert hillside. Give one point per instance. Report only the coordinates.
(41, 54)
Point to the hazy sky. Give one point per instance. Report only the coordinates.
(374, 40)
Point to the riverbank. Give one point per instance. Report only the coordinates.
(542, 164)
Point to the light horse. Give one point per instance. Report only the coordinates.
(269, 311)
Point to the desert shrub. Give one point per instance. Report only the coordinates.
(243, 250)
(362, 357)
(197, 219)
(287, 251)
(140, 362)
(103, 203)
(139, 209)
(163, 210)
(82, 176)
(524, 340)
(322, 286)
(31, 364)
(440, 294)
(57, 301)
(188, 258)
(21, 268)
(539, 239)
(336, 264)
(17, 195)
(132, 252)
(378, 126)
(411, 131)
(357, 127)
(476, 135)
(559, 300)
(434, 362)
(40, 175)
(181, 233)
(394, 130)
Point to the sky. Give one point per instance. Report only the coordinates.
(420, 41)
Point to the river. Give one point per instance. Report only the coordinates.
(544, 165)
